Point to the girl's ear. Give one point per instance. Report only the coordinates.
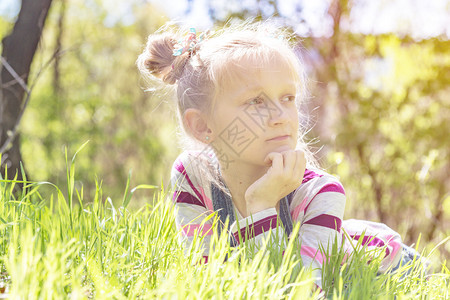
(197, 125)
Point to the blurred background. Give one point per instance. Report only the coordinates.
(379, 108)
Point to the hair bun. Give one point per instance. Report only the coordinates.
(158, 60)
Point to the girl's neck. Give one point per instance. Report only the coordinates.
(238, 179)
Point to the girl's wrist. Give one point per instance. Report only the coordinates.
(255, 205)
(257, 209)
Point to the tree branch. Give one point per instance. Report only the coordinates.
(12, 133)
(14, 74)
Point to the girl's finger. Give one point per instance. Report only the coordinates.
(277, 161)
(269, 158)
(289, 161)
(300, 164)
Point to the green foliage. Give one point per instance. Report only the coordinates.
(391, 145)
(52, 249)
(5, 26)
(381, 105)
(91, 91)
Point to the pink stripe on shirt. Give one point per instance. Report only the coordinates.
(325, 220)
(396, 246)
(201, 229)
(255, 229)
(299, 208)
(309, 175)
(185, 197)
(180, 168)
(313, 253)
(331, 187)
(371, 241)
(208, 201)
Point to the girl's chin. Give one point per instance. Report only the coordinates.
(283, 148)
(258, 157)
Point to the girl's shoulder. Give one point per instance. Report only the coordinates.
(316, 180)
(316, 184)
(190, 159)
(191, 176)
(193, 165)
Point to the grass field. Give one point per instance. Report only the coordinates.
(71, 247)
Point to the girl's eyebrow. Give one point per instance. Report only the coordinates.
(257, 90)
(247, 93)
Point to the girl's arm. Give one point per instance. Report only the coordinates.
(319, 206)
(192, 206)
(284, 175)
(255, 228)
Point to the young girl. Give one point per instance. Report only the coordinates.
(239, 92)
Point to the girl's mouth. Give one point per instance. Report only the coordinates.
(279, 138)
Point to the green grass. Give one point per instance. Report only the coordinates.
(67, 246)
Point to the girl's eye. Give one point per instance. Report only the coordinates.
(257, 100)
(288, 98)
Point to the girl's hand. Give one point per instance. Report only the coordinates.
(284, 176)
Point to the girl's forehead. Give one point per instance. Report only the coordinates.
(248, 73)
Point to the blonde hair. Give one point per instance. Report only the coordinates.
(199, 74)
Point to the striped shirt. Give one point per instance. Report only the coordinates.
(317, 204)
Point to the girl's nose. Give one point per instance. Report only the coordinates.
(279, 116)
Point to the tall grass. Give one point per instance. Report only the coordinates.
(67, 246)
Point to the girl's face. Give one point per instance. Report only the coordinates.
(255, 113)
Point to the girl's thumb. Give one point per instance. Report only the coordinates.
(269, 158)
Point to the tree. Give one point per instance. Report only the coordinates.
(18, 51)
